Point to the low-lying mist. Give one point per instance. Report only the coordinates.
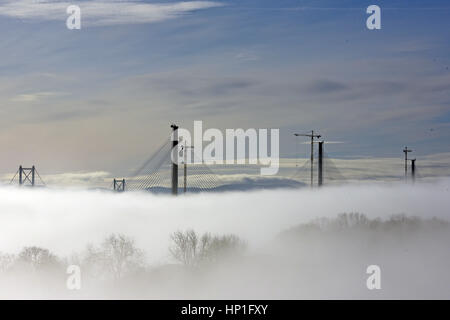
(282, 244)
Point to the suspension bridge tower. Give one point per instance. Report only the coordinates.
(119, 185)
(27, 176)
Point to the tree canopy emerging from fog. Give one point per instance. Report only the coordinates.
(117, 256)
(346, 223)
(191, 249)
(37, 258)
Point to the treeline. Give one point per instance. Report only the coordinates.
(357, 231)
(351, 222)
(118, 256)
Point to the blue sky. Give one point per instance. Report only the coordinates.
(102, 97)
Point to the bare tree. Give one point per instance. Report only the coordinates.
(38, 258)
(223, 246)
(190, 249)
(117, 256)
(6, 261)
(185, 247)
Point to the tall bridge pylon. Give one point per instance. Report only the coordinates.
(27, 176)
(119, 185)
(159, 174)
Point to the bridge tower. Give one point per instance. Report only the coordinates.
(312, 136)
(119, 185)
(413, 170)
(406, 151)
(27, 175)
(320, 166)
(174, 159)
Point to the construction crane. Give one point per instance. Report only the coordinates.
(312, 136)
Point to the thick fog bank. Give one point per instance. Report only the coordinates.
(296, 245)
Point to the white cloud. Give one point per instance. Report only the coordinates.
(247, 56)
(96, 178)
(101, 12)
(34, 97)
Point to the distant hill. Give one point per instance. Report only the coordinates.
(246, 184)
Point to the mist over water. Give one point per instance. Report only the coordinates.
(312, 264)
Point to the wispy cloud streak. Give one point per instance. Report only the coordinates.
(102, 12)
